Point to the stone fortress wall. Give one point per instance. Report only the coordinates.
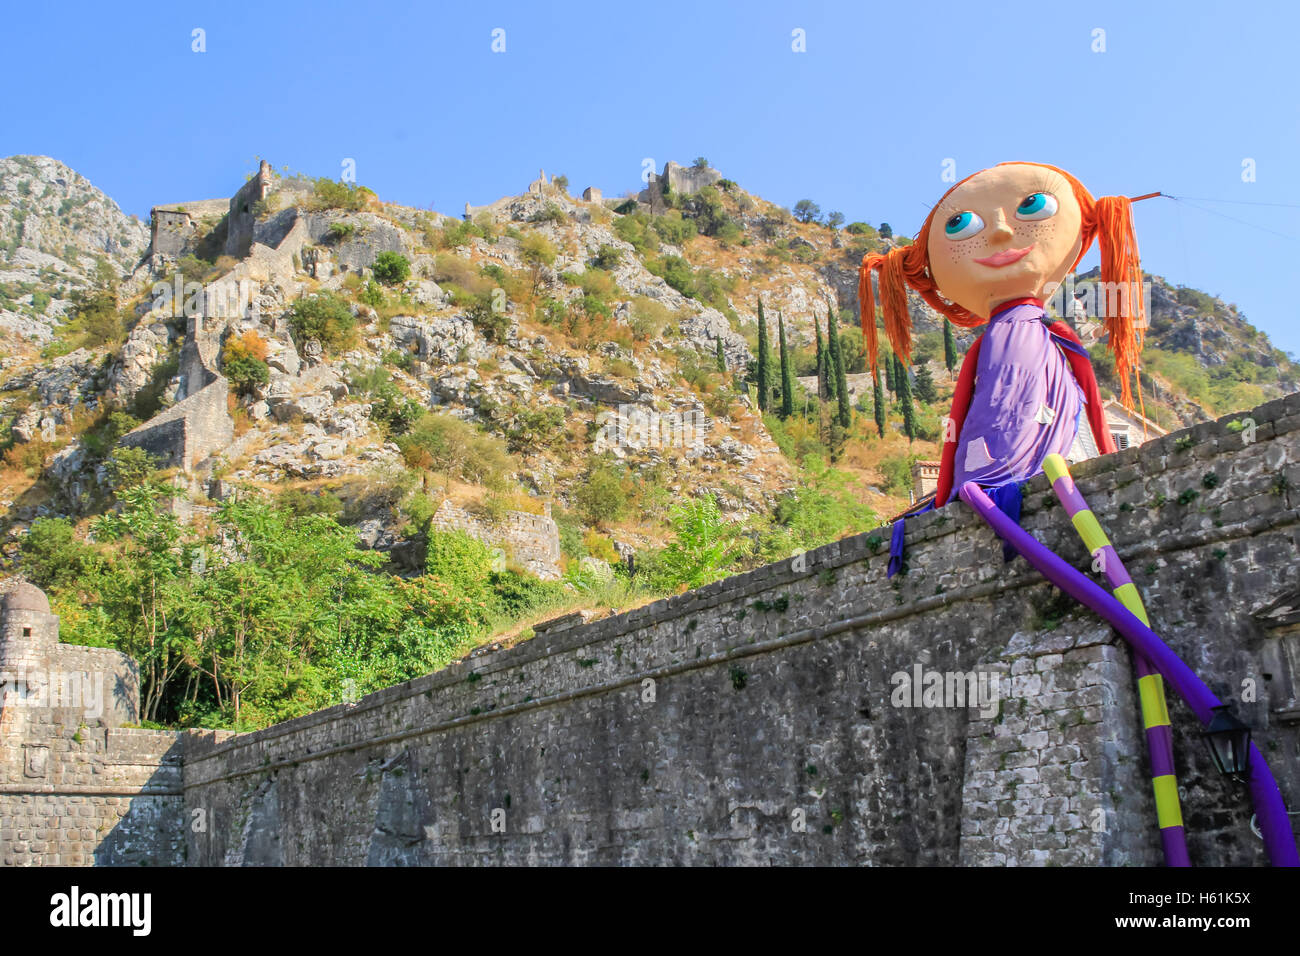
(758, 719)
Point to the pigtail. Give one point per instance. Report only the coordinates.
(893, 303)
(867, 309)
(1121, 276)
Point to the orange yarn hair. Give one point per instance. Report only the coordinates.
(1108, 219)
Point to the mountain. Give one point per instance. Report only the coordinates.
(542, 350)
(55, 231)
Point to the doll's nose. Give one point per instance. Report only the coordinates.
(999, 230)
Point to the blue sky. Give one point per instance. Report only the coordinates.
(861, 122)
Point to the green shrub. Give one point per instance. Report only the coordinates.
(482, 313)
(635, 228)
(129, 468)
(342, 231)
(246, 373)
(457, 448)
(329, 194)
(897, 472)
(515, 595)
(673, 229)
(551, 213)
(325, 317)
(601, 498)
(392, 268)
(301, 502)
(702, 549)
(607, 257)
(52, 557)
(462, 562)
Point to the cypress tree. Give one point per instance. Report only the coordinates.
(949, 347)
(821, 360)
(889, 374)
(905, 399)
(844, 415)
(830, 359)
(787, 372)
(722, 359)
(924, 385)
(878, 400)
(764, 373)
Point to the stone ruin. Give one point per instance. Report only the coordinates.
(531, 540)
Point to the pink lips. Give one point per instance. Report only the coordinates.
(1005, 257)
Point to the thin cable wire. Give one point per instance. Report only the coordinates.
(1238, 202)
(1243, 222)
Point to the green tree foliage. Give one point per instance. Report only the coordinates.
(458, 449)
(637, 228)
(878, 402)
(924, 388)
(710, 216)
(325, 317)
(823, 508)
(829, 358)
(949, 347)
(601, 499)
(805, 210)
(702, 550)
(821, 360)
(764, 362)
(392, 268)
(607, 257)
(129, 468)
(273, 614)
(329, 194)
(246, 373)
(897, 472)
(787, 370)
(886, 231)
(538, 253)
(844, 410)
(905, 399)
(390, 409)
(52, 557)
(721, 356)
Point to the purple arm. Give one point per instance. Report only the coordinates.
(1279, 841)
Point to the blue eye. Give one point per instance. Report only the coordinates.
(1037, 206)
(963, 225)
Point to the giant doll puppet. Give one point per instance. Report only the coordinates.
(991, 252)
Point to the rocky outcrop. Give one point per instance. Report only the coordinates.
(55, 230)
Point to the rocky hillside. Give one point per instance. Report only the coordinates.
(591, 354)
(57, 232)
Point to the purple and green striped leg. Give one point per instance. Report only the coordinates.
(1151, 689)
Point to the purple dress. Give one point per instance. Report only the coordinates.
(1025, 405)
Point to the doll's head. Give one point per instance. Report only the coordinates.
(1009, 232)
